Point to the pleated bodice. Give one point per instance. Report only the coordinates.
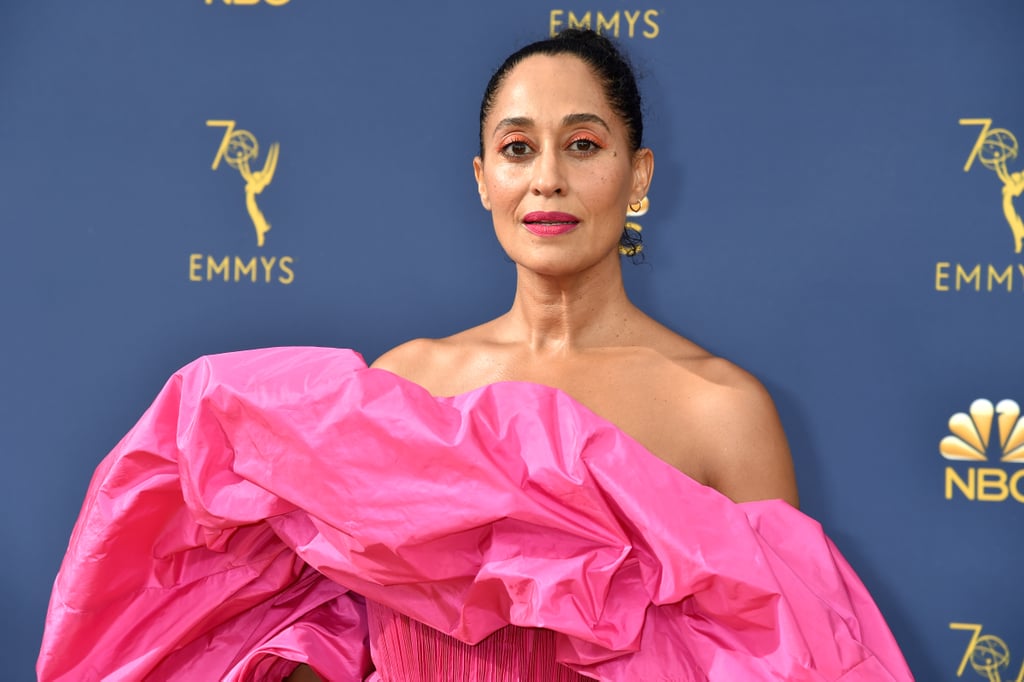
(405, 650)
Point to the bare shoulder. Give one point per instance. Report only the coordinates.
(406, 357)
(747, 456)
(743, 449)
(435, 364)
(420, 361)
(734, 397)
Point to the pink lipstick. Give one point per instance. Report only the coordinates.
(549, 223)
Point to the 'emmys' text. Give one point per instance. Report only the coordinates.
(957, 277)
(619, 24)
(266, 269)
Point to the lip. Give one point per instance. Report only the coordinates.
(549, 223)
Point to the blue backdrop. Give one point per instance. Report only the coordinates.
(833, 209)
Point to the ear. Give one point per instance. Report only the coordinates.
(643, 171)
(481, 188)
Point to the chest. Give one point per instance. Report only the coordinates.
(651, 404)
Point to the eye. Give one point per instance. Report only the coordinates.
(516, 148)
(584, 146)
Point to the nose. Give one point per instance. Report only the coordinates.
(548, 175)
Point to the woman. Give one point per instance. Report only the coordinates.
(498, 531)
(560, 161)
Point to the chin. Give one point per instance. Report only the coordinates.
(557, 262)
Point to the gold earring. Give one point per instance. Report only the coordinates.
(631, 241)
(639, 208)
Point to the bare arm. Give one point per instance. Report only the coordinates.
(748, 456)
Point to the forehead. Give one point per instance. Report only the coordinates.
(550, 85)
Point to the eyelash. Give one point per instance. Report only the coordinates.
(594, 145)
(506, 149)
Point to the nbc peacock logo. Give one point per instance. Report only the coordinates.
(971, 440)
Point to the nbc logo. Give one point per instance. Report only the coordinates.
(970, 441)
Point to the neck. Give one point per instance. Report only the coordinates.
(561, 314)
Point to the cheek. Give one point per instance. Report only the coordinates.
(505, 188)
(605, 188)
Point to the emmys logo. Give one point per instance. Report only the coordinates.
(618, 24)
(970, 441)
(239, 149)
(986, 654)
(993, 148)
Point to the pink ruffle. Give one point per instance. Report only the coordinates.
(230, 534)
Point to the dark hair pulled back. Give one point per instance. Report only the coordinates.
(608, 64)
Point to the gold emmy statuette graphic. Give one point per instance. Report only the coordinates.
(970, 433)
(993, 148)
(238, 148)
(987, 654)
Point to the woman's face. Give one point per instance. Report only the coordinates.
(557, 172)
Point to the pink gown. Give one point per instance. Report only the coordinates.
(290, 505)
(404, 649)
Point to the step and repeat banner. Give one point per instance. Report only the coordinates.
(837, 207)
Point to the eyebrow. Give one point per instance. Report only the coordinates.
(568, 120)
